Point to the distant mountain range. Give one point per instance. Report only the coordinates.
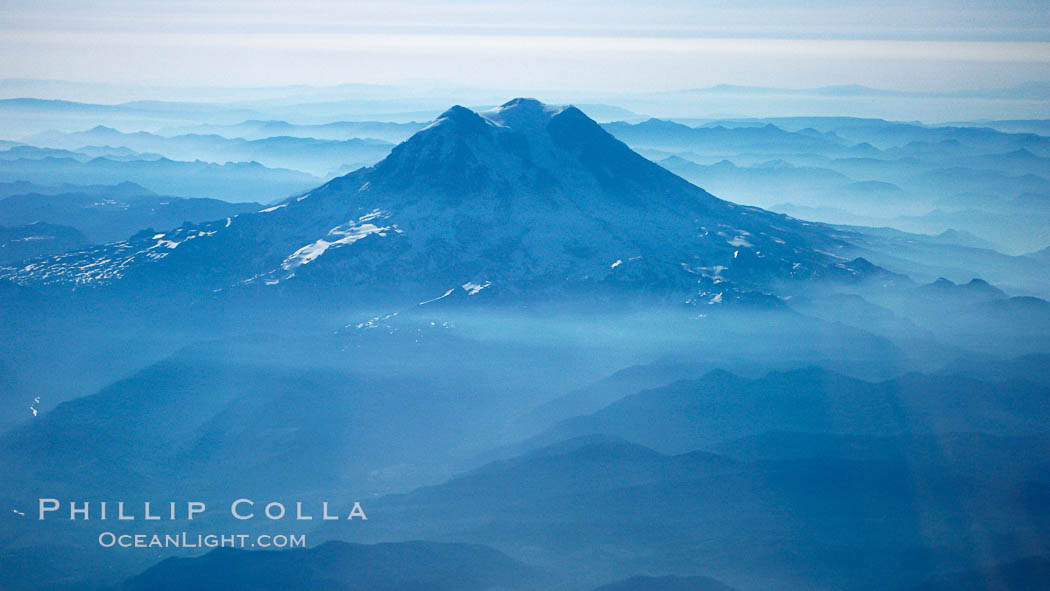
(591, 508)
(676, 136)
(914, 177)
(617, 507)
(885, 134)
(564, 205)
(958, 256)
(110, 213)
(372, 96)
(308, 154)
(722, 406)
(1030, 91)
(240, 181)
(339, 130)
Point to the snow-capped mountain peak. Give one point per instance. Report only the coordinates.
(523, 114)
(526, 198)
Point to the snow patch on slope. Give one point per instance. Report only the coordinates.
(740, 241)
(338, 236)
(473, 288)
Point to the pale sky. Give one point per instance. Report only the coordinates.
(584, 45)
